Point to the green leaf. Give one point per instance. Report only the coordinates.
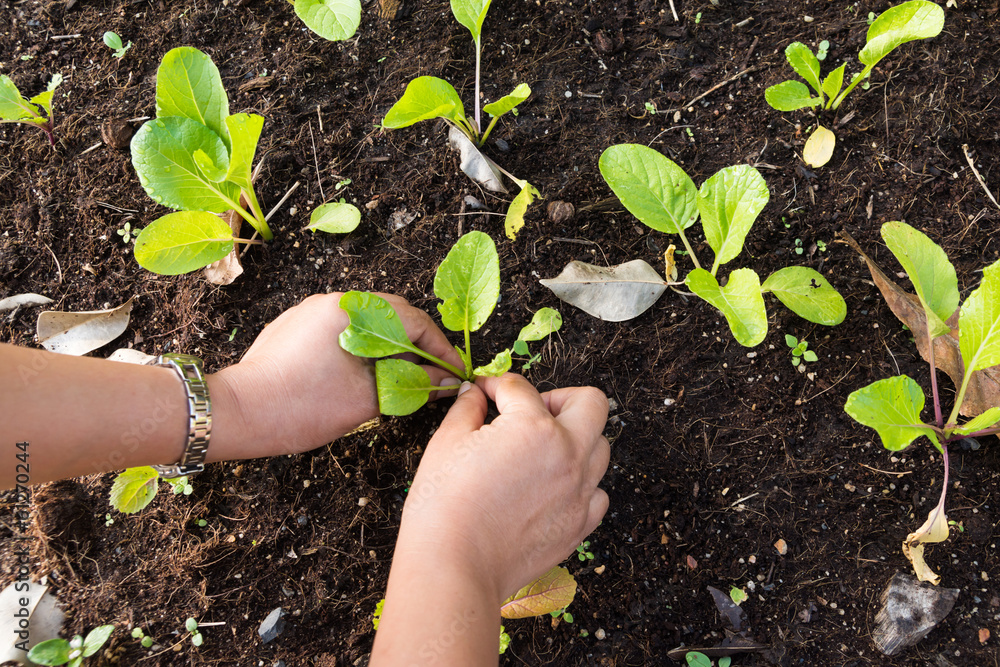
(697, 659)
(508, 102)
(810, 356)
(183, 242)
(980, 423)
(403, 386)
(504, 641)
(740, 301)
(335, 20)
(729, 203)
(45, 99)
(471, 14)
(791, 341)
(375, 329)
(805, 64)
(834, 81)
(515, 213)
(520, 347)
(468, 282)
(425, 97)
(543, 322)
(335, 218)
(808, 294)
(500, 365)
(190, 625)
(208, 168)
(134, 489)
(112, 40)
(931, 273)
(50, 652)
(95, 639)
(651, 186)
(553, 591)
(163, 156)
(979, 323)
(244, 133)
(790, 96)
(13, 106)
(188, 85)
(917, 19)
(892, 407)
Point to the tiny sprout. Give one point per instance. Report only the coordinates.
(343, 184)
(798, 246)
(697, 18)
(737, 595)
(114, 42)
(871, 18)
(823, 49)
(651, 108)
(562, 614)
(202, 523)
(957, 524)
(821, 245)
(800, 350)
(583, 553)
(128, 234)
(108, 520)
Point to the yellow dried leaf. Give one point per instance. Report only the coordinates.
(670, 265)
(819, 147)
(553, 591)
(935, 529)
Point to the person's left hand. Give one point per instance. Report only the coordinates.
(296, 389)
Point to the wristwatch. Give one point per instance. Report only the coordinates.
(191, 371)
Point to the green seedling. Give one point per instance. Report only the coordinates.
(800, 350)
(737, 595)
(821, 246)
(822, 50)
(128, 234)
(428, 97)
(562, 615)
(798, 247)
(135, 488)
(893, 406)
(913, 20)
(142, 637)
(650, 108)
(108, 521)
(114, 42)
(663, 197)
(334, 20)
(699, 659)
(72, 652)
(468, 283)
(191, 626)
(201, 523)
(341, 184)
(583, 552)
(37, 111)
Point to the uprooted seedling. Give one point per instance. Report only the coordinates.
(468, 284)
(663, 197)
(963, 341)
(917, 19)
(37, 111)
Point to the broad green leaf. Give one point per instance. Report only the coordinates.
(979, 323)
(335, 218)
(551, 592)
(112, 40)
(980, 423)
(543, 322)
(134, 489)
(697, 659)
(403, 386)
(651, 186)
(425, 97)
(45, 99)
(188, 85)
(790, 96)
(375, 329)
(207, 168)
(834, 81)
(515, 212)
(163, 156)
(740, 301)
(729, 203)
(508, 102)
(807, 294)
(335, 20)
(819, 147)
(917, 19)
(805, 64)
(520, 347)
(244, 133)
(471, 14)
(13, 106)
(50, 652)
(468, 282)
(892, 407)
(183, 242)
(95, 639)
(931, 273)
(500, 365)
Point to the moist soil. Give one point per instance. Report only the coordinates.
(718, 451)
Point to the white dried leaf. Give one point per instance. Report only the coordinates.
(45, 619)
(229, 268)
(20, 300)
(129, 355)
(476, 166)
(612, 294)
(79, 333)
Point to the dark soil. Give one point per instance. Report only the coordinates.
(718, 451)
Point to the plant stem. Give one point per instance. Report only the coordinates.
(993, 430)
(489, 128)
(861, 77)
(468, 354)
(690, 251)
(264, 230)
(479, 127)
(441, 362)
(934, 387)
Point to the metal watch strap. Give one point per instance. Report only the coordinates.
(192, 374)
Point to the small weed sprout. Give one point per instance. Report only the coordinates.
(583, 552)
(562, 615)
(800, 350)
(737, 595)
(114, 42)
(699, 659)
(651, 108)
(128, 234)
(191, 626)
(108, 521)
(142, 637)
(71, 652)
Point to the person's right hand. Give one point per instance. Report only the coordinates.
(513, 498)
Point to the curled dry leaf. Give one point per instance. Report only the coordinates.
(130, 356)
(21, 300)
(476, 166)
(79, 333)
(935, 529)
(984, 386)
(909, 611)
(612, 294)
(229, 268)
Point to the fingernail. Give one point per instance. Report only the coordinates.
(449, 382)
(466, 386)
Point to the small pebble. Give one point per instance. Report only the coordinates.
(600, 634)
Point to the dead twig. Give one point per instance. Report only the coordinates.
(968, 158)
(714, 88)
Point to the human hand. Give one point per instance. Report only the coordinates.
(295, 388)
(511, 499)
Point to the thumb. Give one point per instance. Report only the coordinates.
(466, 415)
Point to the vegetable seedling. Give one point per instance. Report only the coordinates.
(562, 615)
(800, 350)
(468, 284)
(72, 652)
(583, 552)
(892, 406)
(428, 97)
(37, 111)
(334, 20)
(913, 20)
(135, 488)
(191, 626)
(142, 637)
(114, 42)
(128, 234)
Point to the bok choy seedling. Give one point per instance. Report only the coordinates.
(37, 111)
(468, 284)
(892, 406)
(335, 20)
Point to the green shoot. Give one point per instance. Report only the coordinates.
(37, 111)
(114, 42)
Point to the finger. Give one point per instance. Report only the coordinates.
(598, 508)
(468, 414)
(599, 460)
(512, 393)
(579, 409)
(422, 331)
